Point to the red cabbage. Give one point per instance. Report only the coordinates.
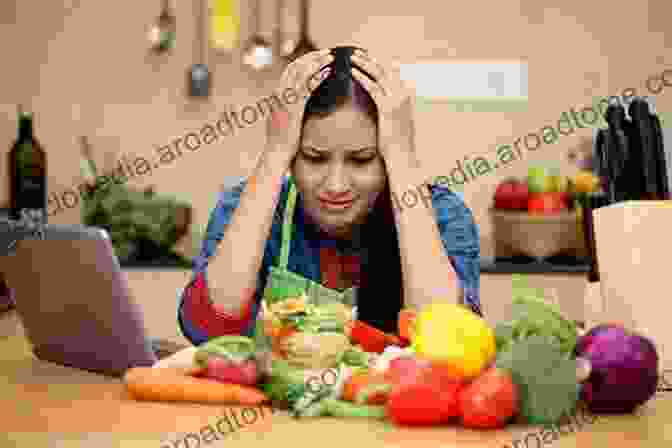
(624, 369)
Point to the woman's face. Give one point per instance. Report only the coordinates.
(338, 169)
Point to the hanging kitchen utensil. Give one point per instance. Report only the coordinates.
(199, 74)
(258, 52)
(305, 44)
(286, 43)
(162, 34)
(224, 24)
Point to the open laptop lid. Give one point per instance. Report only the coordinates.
(75, 303)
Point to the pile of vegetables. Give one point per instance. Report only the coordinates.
(447, 365)
(610, 369)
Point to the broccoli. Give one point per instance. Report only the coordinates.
(546, 379)
(533, 316)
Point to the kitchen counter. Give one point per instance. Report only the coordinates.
(491, 265)
(58, 407)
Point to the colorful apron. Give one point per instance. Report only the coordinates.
(282, 283)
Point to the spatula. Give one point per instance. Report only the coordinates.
(199, 74)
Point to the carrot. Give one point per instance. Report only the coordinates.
(173, 385)
(405, 323)
(282, 334)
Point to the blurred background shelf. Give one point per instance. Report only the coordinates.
(167, 260)
(559, 264)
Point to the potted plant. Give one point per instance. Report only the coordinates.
(143, 226)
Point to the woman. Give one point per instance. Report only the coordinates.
(349, 146)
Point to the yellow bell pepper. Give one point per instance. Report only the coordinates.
(455, 337)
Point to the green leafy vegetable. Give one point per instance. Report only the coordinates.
(283, 383)
(294, 393)
(545, 377)
(534, 316)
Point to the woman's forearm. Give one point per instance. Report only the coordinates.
(427, 271)
(234, 268)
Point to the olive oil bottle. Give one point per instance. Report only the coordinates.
(27, 171)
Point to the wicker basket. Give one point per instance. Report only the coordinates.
(537, 236)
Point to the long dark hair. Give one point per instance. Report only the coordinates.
(380, 292)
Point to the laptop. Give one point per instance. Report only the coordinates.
(75, 304)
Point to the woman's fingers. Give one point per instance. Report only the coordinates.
(310, 61)
(311, 71)
(305, 74)
(316, 79)
(369, 65)
(374, 89)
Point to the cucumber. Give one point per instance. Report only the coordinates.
(341, 408)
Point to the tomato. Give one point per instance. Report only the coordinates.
(423, 403)
(489, 401)
(443, 373)
(422, 393)
(546, 203)
(511, 194)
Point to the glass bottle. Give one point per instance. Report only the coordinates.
(27, 171)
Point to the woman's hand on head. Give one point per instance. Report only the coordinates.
(298, 81)
(396, 130)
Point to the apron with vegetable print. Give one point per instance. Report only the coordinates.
(282, 283)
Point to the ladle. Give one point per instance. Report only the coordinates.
(258, 52)
(305, 44)
(162, 34)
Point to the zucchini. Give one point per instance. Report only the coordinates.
(345, 409)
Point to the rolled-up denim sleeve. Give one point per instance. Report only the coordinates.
(199, 318)
(461, 240)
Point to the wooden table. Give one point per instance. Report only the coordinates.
(47, 405)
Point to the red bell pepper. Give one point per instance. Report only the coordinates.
(372, 339)
(405, 323)
(424, 402)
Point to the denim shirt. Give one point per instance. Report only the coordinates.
(458, 230)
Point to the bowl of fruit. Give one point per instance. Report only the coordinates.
(540, 216)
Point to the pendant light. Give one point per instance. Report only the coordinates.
(258, 53)
(162, 34)
(305, 44)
